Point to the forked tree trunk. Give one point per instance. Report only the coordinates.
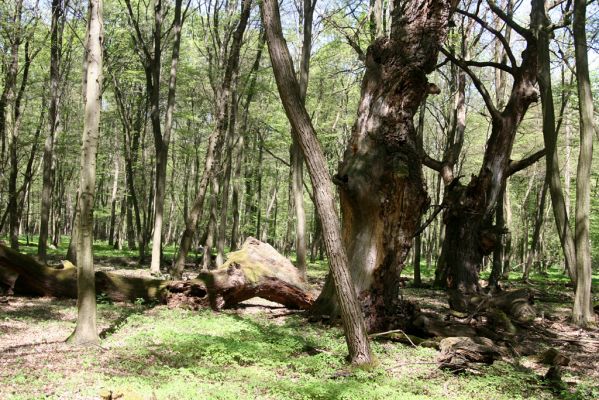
(470, 234)
(380, 179)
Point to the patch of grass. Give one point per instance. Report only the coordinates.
(178, 354)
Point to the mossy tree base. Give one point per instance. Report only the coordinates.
(256, 270)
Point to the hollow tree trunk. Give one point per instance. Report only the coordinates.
(380, 179)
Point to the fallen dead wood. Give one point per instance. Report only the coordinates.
(256, 270)
(462, 353)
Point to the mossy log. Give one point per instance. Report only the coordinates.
(257, 270)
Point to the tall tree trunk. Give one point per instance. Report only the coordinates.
(355, 329)
(239, 146)
(582, 312)
(297, 170)
(54, 125)
(162, 140)
(9, 120)
(86, 331)
(550, 138)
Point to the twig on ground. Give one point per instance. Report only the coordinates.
(393, 331)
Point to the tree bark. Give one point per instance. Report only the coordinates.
(380, 179)
(582, 312)
(86, 330)
(536, 232)
(355, 329)
(470, 234)
(113, 201)
(550, 138)
(239, 147)
(56, 30)
(297, 170)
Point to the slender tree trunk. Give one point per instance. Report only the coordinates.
(226, 184)
(355, 329)
(162, 140)
(53, 123)
(417, 253)
(507, 247)
(582, 312)
(86, 331)
(10, 120)
(113, 201)
(550, 138)
(536, 232)
(297, 170)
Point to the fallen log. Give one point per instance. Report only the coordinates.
(256, 270)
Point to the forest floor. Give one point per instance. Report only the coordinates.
(260, 351)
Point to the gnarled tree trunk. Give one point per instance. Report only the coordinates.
(470, 234)
(380, 179)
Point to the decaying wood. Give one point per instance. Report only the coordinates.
(257, 270)
(461, 353)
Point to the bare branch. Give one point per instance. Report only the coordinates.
(495, 114)
(497, 65)
(499, 35)
(138, 36)
(525, 33)
(526, 162)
